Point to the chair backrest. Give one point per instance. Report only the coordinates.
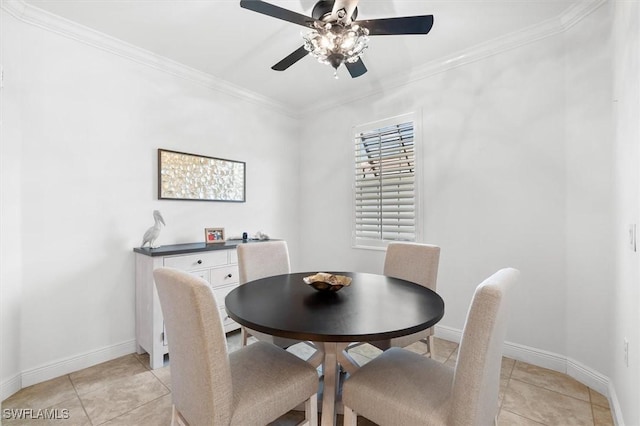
(413, 262)
(263, 259)
(200, 371)
(476, 381)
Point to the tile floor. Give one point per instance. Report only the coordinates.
(126, 392)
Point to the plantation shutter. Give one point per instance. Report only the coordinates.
(384, 189)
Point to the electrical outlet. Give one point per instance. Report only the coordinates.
(632, 237)
(626, 352)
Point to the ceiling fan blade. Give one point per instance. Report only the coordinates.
(298, 54)
(403, 25)
(356, 69)
(277, 12)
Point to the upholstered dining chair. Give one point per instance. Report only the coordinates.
(260, 260)
(417, 263)
(403, 388)
(252, 386)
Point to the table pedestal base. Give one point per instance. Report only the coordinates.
(331, 355)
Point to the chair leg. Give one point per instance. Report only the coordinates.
(244, 336)
(430, 345)
(176, 418)
(311, 410)
(350, 417)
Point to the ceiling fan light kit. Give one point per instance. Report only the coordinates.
(336, 37)
(335, 44)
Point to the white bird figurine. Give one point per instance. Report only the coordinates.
(152, 233)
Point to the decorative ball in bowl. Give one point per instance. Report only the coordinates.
(327, 282)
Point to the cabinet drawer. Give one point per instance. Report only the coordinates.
(221, 293)
(204, 274)
(197, 261)
(223, 276)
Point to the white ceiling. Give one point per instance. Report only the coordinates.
(240, 46)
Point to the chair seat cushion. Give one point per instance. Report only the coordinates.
(418, 391)
(261, 366)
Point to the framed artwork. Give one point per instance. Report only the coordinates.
(183, 176)
(214, 235)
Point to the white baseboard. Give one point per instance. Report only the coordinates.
(614, 404)
(589, 377)
(515, 351)
(534, 356)
(78, 362)
(552, 361)
(65, 366)
(448, 333)
(10, 386)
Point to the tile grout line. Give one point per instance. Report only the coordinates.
(593, 413)
(506, 388)
(556, 374)
(161, 382)
(130, 411)
(524, 417)
(144, 371)
(152, 373)
(551, 390)
(75, 389)
(450, 355)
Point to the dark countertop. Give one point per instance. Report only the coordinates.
(192, 247)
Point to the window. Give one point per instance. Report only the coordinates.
(385, 184)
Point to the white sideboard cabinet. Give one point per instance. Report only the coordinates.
(215, 263)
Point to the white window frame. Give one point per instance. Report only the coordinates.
(360, 241)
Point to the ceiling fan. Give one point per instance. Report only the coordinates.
(336, 37)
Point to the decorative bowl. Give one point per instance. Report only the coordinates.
(327, 282)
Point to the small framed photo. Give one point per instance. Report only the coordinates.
(214, 235)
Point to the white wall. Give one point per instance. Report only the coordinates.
(10, 209)
(494, 183)
(624, 284)
(83, 187)
(589, 167)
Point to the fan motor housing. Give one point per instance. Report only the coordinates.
(322, 10)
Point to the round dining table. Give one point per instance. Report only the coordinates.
(372, 308)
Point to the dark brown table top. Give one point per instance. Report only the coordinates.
(373, 307)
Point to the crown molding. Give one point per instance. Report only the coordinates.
(72, 30)
(38, 17)
(578, 12)
(548, 28)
